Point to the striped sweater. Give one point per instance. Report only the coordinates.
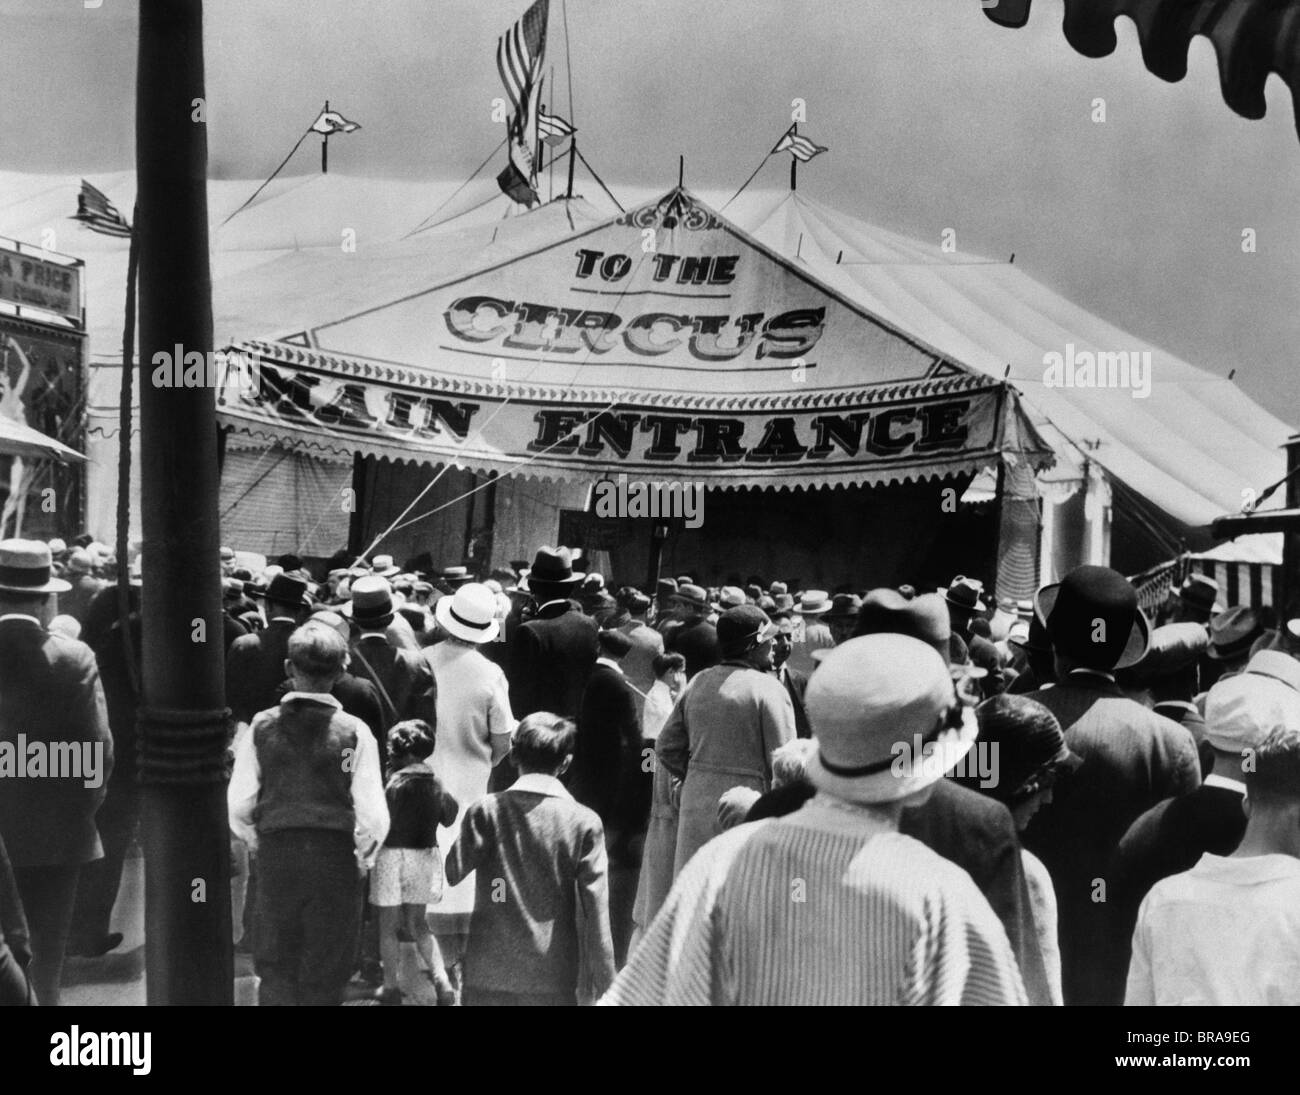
(828, 905)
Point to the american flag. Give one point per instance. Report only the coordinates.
(519, 60)
(97, 213)
(801, 148)
(553, 129)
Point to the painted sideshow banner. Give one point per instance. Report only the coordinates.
(41, 381)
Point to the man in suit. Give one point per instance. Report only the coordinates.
(695, 639)
(255, 663)
(81, 573)
(52, 711)
(401, 676)
(609, 778)
(795, 682)
(553, 654)
(1132, 759)
(647, 643)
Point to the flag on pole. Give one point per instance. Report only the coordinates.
(331, 121)
(519, 53)
(97, 213)
(801, 148)
(554, 129)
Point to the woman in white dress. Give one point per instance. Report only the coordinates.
(475, 725)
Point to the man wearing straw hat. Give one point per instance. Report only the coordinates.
(52, 707)
(831, 904)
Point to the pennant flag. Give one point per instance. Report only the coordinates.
(97, 213)
(801, 148)
(331, 121)
(520, 54)
(515, 185)
(554, 129)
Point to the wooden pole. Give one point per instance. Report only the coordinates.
(573, 155)
(183, 719)
(325, 148)
(1289, 600)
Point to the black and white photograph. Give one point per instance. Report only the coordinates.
(650, 503)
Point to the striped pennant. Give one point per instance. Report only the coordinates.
(553, 129)
(97, 213)
(801, 148)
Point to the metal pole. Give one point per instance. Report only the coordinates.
(183, 717)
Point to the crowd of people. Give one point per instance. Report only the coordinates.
(537, 787)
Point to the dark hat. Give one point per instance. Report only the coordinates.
(553, 566)
(844, 606)
(665, 588)
(964, 593)
(1093, 617)
(290, 561)
(886, 611)
(1174, 647)
(691, 595)
(1200, 591)
(1233, 632)
(27, 567)
(1037, 641)
(743, 627)
(285, 589)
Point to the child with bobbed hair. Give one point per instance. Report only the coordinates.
(408, 873)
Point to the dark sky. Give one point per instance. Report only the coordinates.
(935, 117)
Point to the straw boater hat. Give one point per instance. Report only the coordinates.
(868, 702)
(26, 567)
(1093, 617)
(384, 567)
(456, 576)
(814, 602)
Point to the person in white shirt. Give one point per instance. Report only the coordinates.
(1227, 932)
(307, 796)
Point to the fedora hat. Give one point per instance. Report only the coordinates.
(1092, 616)
(288, 589)
(730, 597)
(1233, 632)
(923, 618)
(813, 602)
(1173, 648)
(384, 567)
(964, 593)
(554, 567)
(844, 606)
(1199, 591)
(691, 595)
(26, 567)
(372, 602)
(871, 703)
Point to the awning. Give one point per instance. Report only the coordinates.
(19, 439)
(664, 343)
(1251, 39)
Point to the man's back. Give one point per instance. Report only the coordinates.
(697, 642)
(825, 906)
(551, 662)
(255, 669)
(1226, 932)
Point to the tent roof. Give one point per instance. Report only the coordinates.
(1192, 446)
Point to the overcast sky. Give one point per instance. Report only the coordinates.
(936, 118)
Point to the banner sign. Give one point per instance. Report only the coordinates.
(668, 297)
(954, 426)
(28, 280)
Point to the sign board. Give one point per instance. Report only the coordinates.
(30, 281)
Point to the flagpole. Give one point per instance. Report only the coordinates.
(551, 196)
(794, 162)
(573, 155)
(325, 147)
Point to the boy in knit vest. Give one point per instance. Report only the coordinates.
(307, 796)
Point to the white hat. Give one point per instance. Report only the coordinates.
(1242, 711)
(384, 566)
(886, 718)
(469, 614)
